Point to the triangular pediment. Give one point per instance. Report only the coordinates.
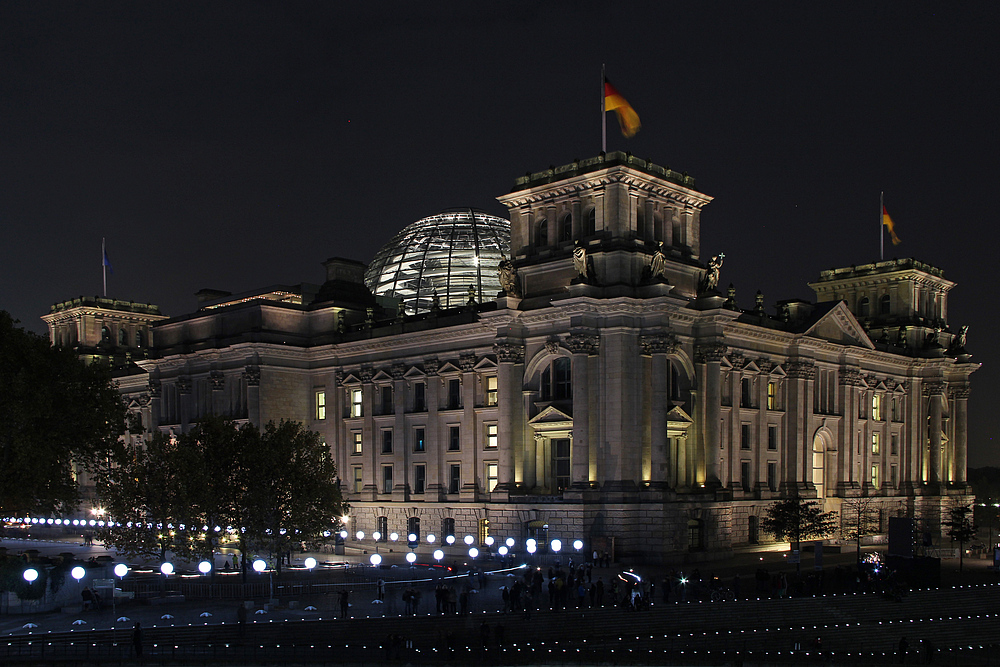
(550, 416)
(676, 414)
(414, 374)
(838, 325)
(381, 376)
(448, 368)
(350, 378)
(486, 364)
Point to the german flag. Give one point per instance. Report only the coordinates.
(887, 222)
(628, 119)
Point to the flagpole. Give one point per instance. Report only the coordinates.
(881, 224)
(604, 115)
(104, 266)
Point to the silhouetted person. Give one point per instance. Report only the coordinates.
(137, 640)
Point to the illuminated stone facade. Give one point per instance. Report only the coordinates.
(618, 397)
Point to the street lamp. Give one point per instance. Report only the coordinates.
(30, 575)
(450, 539)
(578, 544)
(411, 558)
(430, 538)
(376, 559)
(259, 566)
(204, 567)
(438, 555)
(556, 546)
(469, 539)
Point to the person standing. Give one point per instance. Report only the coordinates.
(344, 603)
(137, 640)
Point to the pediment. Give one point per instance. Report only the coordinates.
(486, 364)
(350, 378)
(448, 368)
(414, 374)
(676, 414)
(838, 325)
(551, 416)
(381, 376)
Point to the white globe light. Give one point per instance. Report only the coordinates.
(473, 552)
(430, 538)
(489, 540)
(78, 573)
(167, 569)
(30, 575)
(502, 551)
(121, 570)
(438, 555)
(510, 542)
(531, 544)
(376, 536)
(360, 535)
(556, 545)
(411, 558)
(259, 565)
(310, 563)
(204, 567)
(343, 534)
(469, 539)
(577, 544)
(412, 537)
(393, 536)
(375, 559)
(450, 539)
(531, 548)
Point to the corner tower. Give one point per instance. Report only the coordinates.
(613, 224)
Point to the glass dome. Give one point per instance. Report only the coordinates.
(442, 255)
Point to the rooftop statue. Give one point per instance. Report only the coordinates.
(711, 279)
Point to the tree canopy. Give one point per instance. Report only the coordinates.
(264, 487)
(796, 519)
(58, 412)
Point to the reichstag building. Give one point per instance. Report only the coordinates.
(577, 371)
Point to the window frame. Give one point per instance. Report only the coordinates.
(355, 398)
(320, 403)
(492, 439)
(357, 443)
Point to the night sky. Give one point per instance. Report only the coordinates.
(238, 145)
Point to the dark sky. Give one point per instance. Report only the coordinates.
(236, 145)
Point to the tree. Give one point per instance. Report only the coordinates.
(961, 528)
(796, 519)
(58, 413)
(860, 518)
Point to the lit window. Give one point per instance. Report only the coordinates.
(877, 406)
(491, 390)
(356, 436)
(418, 440)
(355, 402)
(358, 480)
(492, 476)
(875, 480)
(772, 395)
(491, 436)
(876, 442)
(320, 405)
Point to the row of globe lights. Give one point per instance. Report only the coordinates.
(531, 545)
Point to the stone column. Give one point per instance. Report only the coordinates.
(797, 471)
(934, 391)
(659, 347)
(155, 399)
(531, 473)
(218, 382)
(709, 357)
(184, 398)
(373, 484)
(850, 380)
(400, 448)
(960, 442)
(251, 375)
(582, 345)
(471, 447)
(437, 484)
(510, 370)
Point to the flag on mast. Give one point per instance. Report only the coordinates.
(105, 266)
(888, 224)
(628, 119)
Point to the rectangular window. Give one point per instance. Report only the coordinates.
(861, 407)
(561, 451)
(387, 406)
(746, 386)
(418, 439)
(894, 445)
(772, 438)
(877, 406)
(491, 436)
(772, 395)
(492, 476)
(897, 409)
(491, 390)
(744, 436)
(745, 475)
(876, 442)
(386, 479)
(454, 439)
(455, 478)
(893, 476)
(454, 394)
(356, 440)
(563, 386)
(358, 483)
(419, 478)
(387, 441)
(420, 397)
(875, 475)
(772, 476)
(356, 403)
(320, 405)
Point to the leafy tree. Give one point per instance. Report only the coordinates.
(58, 413)
(961, 528)
(796, 519)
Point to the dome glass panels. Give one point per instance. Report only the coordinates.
(442, 255)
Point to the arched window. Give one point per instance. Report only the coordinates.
(557, 380)
(864, 307)
(883, 305)
(122, 337)
(591, 227)
(566, 228)
(753, 530)
(447, 527)
(382, 527)
(542, 233)
(640, 223)
(413, 529)
(484, 530)
(105, 335)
